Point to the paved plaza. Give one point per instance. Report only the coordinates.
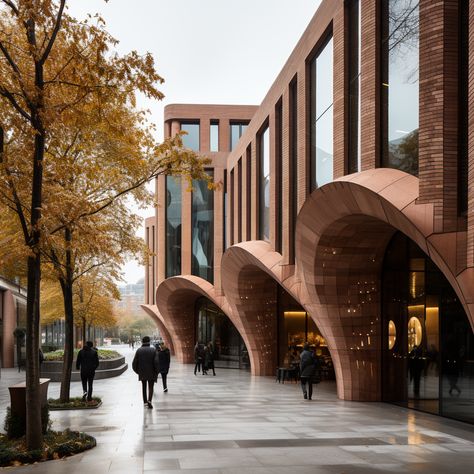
(236, 424)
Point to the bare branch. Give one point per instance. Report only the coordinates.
(54, 34)
(9, 59)
(13, 7)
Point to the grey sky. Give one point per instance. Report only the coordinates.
(208, 51)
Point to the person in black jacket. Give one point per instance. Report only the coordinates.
(199, 357)
(145, 364)
(209, 359)
(87, 361)
(309, 368)
(163, 363)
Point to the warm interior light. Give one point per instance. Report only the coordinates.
(392, 334)
(415, 333)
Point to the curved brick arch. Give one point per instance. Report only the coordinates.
(176, 298)
(152, 311)
(251, 272)
(341, 236)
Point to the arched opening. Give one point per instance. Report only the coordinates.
(428, 343)
(295, 327)
(212, 325)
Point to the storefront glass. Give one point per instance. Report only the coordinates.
(295, 327)
(428, 352)
(214, 326)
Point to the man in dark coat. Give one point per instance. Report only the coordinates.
(145, 364)
(87, 361)
(163, 364)
(309, 366)
(209, 358)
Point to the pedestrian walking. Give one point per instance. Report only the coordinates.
(209, 358)
(145, 364)
(163, 364)
(87, 362)
(309, 371)
(198, 357)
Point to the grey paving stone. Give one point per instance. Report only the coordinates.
(238, 424)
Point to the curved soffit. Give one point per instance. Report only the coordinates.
(388, 196)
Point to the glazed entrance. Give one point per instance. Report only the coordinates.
(212, 325)
(428, 344)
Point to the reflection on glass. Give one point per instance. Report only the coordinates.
(431, 367)
(265, 185)
(214, 137)
(392, 334)
(215, 327)
(191, 140)
(400, 84)
(173, 226)
(414, 331)
(203, 230)
(322, 116)
(236, 131)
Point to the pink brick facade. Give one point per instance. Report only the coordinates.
(343, 227)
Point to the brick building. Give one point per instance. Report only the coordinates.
(345, 217)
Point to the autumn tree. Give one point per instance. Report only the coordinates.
(56, 74)
(94, 296)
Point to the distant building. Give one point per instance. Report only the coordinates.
(132, 296)
(12, 315)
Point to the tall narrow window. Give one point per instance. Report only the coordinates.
(400, 84)
(153, 264)
(249, 191)
(202, 238)
(293, 133)
(191, 139)
(264, 191)
(239, 202)
(279, 174)
(463, 84)
(236, 131)
(224, 213)
(354, 164)
(232, 197)
(214, 136)
(173, 226)
(322, 116)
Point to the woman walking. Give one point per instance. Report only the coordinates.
(163, 364)
(209, 358)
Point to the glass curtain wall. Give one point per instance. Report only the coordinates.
(214, 326)
(428, 344)
(354, 85)
(264, 192)
(236, 131)
(173, 226)
(400, 84)
(322, 116)
(203, 230)
(191, 140)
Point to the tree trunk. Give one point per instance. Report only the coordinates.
(66, 286)
(34, 434)
(84, 339)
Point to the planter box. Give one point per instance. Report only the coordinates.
(107, 369)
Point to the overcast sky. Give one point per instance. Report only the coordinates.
(208, 51)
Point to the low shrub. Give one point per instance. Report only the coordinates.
(75, 402)
(57, 444)
(15, 425)
(58, 355)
